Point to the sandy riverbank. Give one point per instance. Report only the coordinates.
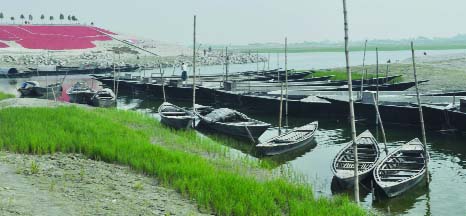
(63, 184)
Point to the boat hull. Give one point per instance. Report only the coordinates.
(276, 150)
(103, 102)
(396, 190)
(178, 122)
(238, 131)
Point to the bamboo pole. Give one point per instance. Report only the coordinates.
(386, 72)
(377, 73)
(280, 113)
(381, 125)
(421, 116)
(194, 65)
(363, 67)
(226, 63)
(163, 83)
(286, 82)
(351, 107)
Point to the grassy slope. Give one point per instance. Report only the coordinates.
(125, 137)
(342, 75)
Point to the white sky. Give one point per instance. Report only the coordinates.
(249, 21)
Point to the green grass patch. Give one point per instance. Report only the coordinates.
(5, 96)
(128, 138)
(339, 75)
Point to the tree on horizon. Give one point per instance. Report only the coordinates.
(74, 18)
(12, 19)
(1, 16)
(30, 18)
(69, 18)
(62, 17)
(42, 17)
(22, 18)
(51, 19)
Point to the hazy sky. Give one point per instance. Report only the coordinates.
(248, 21)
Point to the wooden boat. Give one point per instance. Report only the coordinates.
(232, 122)
(368, 155)
(288, 141)
(402, 169)
(33, 89)
(175, 116)
(104, 98)
(80, 92)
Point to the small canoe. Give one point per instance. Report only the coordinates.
(291, 140)
(402, 169)
(104, 98)
(232, 122)
(81, 93)
(175, 116)
(368, 155)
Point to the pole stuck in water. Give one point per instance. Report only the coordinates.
(226, 63)
(363, 67)
(286, 82)
(421, 115)
(351, 107)
(194, 65)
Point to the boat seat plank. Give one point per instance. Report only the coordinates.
(406, 170)
(173, 113)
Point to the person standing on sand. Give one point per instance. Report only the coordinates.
(184, 73)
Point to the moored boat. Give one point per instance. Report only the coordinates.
(368, 155)
(402, 169)
(175, 116)
(104, 98)
(33, 89)
(293, 139)
(233, 123)
(81, 93)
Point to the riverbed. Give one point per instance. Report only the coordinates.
(445, 195)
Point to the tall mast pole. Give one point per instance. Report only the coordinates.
(421, 116)
(226, 63)
(377, 73)
(286, 82)
(351, 107)
(363, 67)
(194, 65)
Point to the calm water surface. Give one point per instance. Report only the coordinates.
(446, 194)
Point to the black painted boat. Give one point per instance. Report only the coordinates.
(81, 93)
(14, 73)
(402, 169)
(288, 141)
(368, 155)
(232, 122)
(33, 89)
(175, 116)
(104, 98)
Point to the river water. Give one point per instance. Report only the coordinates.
(445, 195)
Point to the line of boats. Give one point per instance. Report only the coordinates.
(396, 173)
(80, 93)
(237, 124)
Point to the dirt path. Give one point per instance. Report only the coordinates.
(72, 185)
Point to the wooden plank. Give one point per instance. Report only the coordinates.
(407, 170)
